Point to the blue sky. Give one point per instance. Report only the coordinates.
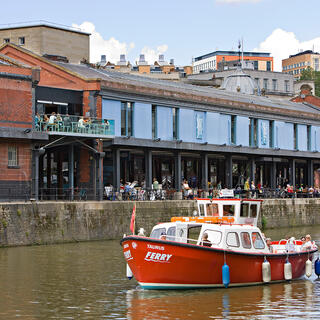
(180, 29)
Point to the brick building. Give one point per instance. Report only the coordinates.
(17, 139)
(141, 128)
(217, 60)
(296, 63)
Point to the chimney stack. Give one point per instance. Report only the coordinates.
(103, 59)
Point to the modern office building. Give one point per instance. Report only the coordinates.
(218, 60)
(142, 128)
(296, 63)
(48, 39)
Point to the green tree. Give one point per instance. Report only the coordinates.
(310, 74)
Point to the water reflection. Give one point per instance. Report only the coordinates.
(88, 281)
(282, 301)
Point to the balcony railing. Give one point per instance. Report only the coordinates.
(71, 124)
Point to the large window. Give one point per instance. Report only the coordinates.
(253, 130)
(127, 119)
(274, 85)
(233, 129)
(154, 122)
(309, 138)
(175, 122)
(265, 84)
(295, 136)
(271, 134)
(12, 156)
(268, 65)
(286, 85)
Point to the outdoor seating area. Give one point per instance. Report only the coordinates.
(73, 124)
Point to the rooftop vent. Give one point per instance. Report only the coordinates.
(161, 57)
(122, 58)
(172, 62)
(141, 58)
(103, 59)
(55, 57)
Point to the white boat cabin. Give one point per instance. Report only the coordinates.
(242, 211)
(244, 238)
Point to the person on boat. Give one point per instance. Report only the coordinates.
(163, 236)
(155, 184)
(205, 242)
(269, 244)
(308, 245)
(290, 246)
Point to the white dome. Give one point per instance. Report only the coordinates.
(240, 82)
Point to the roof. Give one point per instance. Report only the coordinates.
(127, 79)
(5, 60)
(41, 23)
(232, 53)
(303, 53)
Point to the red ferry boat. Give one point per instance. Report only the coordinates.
(220, 246)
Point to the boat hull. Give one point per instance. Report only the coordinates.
(161, 264)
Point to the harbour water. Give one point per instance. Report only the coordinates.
(87, 281)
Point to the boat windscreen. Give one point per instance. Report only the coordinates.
(193, 234)
(228, 210)
(156, 233)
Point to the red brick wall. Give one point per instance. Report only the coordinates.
(23, 171)
(15, 102)
(84, 166)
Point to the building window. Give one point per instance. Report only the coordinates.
(316, 64)
(257, 82)
(253, 129)
(127, 119)
(268, 65)
(265, 84)
(274, 84)
(286, 85)
(271, 134)
(6, 40)
(255, 65)
(154, 122)
(175, 123)
(21, 41)
(233, 129)
(12, 156)
(295, 136)
(309, 138)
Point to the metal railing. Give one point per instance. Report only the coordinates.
(74, 124)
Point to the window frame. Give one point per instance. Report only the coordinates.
(14, 161)
(21, 41)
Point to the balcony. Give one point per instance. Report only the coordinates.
(71, 125)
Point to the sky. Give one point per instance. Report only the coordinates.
(179, 29)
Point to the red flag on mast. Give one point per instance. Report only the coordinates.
(133, 217)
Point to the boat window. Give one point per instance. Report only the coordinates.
(193, 234)
(157, 232)
(244, 212)
(201, 209)
(228, 210)
(171, 234)
(253, 211)
(212, 210)
(232, 239)
(245, 240)
(214, 236)
(257, 240)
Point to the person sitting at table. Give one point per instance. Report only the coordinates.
(67, 122)
(81, 123)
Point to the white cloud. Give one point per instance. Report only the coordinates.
(152, 55)
(282, 43)
(237, 1)
(112, 47)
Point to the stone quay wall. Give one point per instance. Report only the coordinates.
(58, 222)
